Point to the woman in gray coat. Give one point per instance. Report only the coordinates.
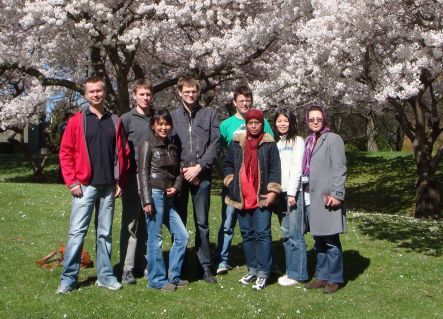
(324, 168)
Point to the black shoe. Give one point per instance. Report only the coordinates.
(209, 277)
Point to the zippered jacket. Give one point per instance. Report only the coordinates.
(74, 156)
(199, 135)
(158, 167)
(269, 169)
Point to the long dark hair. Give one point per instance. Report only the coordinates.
(292, 130)
(161, 114)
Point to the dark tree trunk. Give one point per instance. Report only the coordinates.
(427, 203)
(422, 126)
(372, 133)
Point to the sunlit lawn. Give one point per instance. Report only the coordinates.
(393, 265)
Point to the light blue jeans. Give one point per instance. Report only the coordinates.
(102, 198)
(226, 231)
(255, 228)
(164, 213)
(294, 242)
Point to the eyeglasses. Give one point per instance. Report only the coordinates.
(189, 92)
(315, 119)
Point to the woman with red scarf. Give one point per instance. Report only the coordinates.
(252, 174)
(324, 171)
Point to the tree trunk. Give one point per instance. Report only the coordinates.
(372, 133)
(427, 202)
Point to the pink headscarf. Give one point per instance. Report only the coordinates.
(311, 140)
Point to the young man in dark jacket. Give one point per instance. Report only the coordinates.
(198, 131)
(133, 229)
(94, 161)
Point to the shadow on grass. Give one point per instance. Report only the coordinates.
(15, 168)
(354, 264)
(381, 183)
(407, 233)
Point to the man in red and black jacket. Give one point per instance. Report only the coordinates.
(94, 158)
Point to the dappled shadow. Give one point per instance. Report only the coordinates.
(15, 168)
(380, 184)
(408, 233)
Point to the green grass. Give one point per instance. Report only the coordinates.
(383, 182)
(393, 264)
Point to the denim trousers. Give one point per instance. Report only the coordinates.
(294, 242)
(102, 198)
(164, 213)
(133, 229)
(329, 253)
(226, 231)
(200, 201)
(255, 228)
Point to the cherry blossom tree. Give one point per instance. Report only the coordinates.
(373, 55)
(60, 42)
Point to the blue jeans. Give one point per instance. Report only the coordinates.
(329, 253)
(255, 228)
(294, 242)
(200, 201)
(226, 231)
(164, 213)
(102, 198)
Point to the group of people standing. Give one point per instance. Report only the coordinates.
(155, 159)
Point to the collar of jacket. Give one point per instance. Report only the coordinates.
(134, 112)
(156, 141)
(185, 111)
(241, 138)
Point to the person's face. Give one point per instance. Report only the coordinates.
(95, 93)
(189, 95)
(254, 127)
(161, 128)
(282, 124)
(243, 104)
(315, 119)
(143, 98)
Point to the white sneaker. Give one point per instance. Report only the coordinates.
(259, 284)
(113, 286)
(286, 281)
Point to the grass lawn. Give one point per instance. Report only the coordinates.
(393, 264)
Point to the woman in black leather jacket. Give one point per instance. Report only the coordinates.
(159, 181)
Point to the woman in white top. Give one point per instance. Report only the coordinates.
(291, 148)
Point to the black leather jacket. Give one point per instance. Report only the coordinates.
(158, 167)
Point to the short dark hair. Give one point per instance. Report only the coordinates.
(187, 81)
(244, 90)
(95, 79)
(161, 114)
(142, 83)
(292, 130)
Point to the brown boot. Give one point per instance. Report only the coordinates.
(331, 288)
(315, 284)
(169, 287)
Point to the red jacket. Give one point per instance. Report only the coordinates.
(74, 156)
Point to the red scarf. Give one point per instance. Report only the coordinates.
(251, 157)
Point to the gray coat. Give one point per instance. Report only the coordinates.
(327, 176)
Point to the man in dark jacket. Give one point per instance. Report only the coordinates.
(133, 229)
(198, 131)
